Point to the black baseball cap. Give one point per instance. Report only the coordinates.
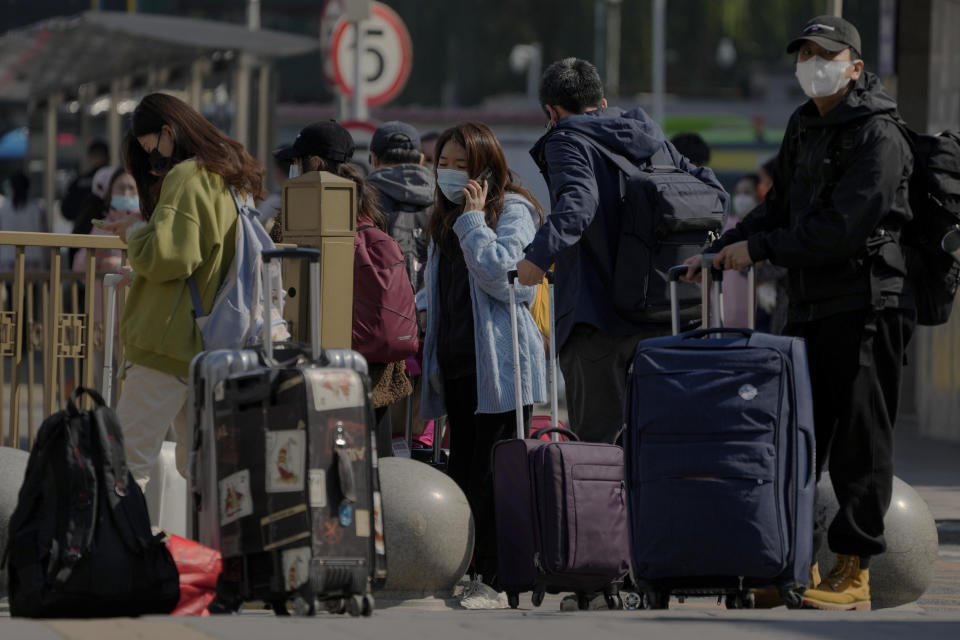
(830, 32)
(284, 152)
(327, 139)
(394, 135)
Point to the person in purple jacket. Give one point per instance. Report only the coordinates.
(581, 236)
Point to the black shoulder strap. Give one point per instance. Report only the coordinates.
(83, 492)
(844, 145)
(118, 490)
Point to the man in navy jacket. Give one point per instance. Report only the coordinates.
(581, 237)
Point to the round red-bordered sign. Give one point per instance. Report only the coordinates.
(388, 55)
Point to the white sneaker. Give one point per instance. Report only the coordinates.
(478, 595)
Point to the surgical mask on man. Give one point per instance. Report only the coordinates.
(451, 183)
(294, 170)
(125, 203)
(743, 204)
(820, 78)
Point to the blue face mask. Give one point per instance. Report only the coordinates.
(125, 203)
(451, 183)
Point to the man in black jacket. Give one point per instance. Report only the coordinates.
(833, 219)
(582, 234)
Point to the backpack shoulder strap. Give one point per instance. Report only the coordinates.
(618, 160)
(118, 491)
(82, 493)
(243, 209)
(844, 145)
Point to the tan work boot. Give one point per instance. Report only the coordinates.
(846, 588)
(769, 597)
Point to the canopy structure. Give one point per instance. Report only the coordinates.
(41, 63)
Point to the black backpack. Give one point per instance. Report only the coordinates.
(668, 215)
(80, 543)
(935, 203)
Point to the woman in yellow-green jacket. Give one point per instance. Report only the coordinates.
(184, 168)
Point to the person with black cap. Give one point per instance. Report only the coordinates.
(833, 218)
(406, 191)
(321, 146)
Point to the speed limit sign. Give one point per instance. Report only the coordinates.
(386, 59)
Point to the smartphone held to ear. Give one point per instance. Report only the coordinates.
(486, 174)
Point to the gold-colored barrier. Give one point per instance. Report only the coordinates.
(49, 315)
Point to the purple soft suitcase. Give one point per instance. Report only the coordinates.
(560, 508)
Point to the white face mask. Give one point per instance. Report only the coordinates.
(743, 204)
(820, 78)
(294, 170)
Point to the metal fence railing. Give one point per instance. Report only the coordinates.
(51, 323)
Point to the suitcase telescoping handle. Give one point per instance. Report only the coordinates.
(711, 281)
(301, 253)
(110, 282)
(512, 276)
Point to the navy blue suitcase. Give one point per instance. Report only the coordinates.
(719, 445)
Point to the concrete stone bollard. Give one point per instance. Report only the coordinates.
(905, 571)
(428, 529)
(13, 466)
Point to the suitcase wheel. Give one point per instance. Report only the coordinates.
(793, 598)
(360, 605)
(304, 606)
(513, 599)
(632, 601)
(741, 600)
(657, 599)
(336, 606)
(537, 598)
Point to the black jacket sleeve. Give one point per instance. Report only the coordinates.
(573, 182)
(839, 228)
(772, 213)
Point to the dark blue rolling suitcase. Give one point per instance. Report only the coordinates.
(720, 470)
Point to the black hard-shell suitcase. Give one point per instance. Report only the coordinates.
(296, 493)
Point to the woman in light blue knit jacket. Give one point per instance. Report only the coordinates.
(480, 224)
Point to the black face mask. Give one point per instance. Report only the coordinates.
(159, 163)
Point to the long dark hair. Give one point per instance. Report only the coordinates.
(194, 137)
(368, 199)
(483, 151)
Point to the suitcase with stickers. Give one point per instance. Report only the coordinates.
(285, 478)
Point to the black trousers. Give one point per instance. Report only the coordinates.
(472, 436)
(856, 360)
(594, 366)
